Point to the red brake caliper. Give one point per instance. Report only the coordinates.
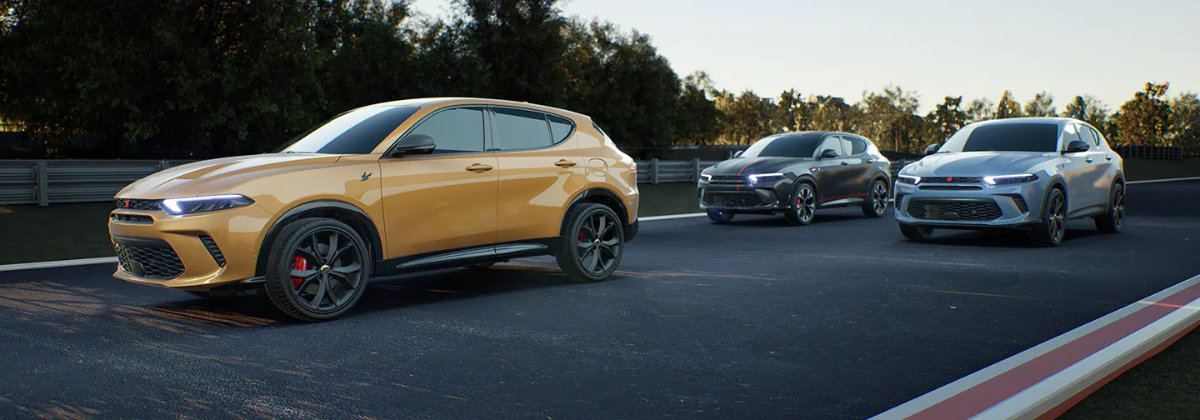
(298, 263)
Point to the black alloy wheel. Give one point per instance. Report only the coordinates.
(593, 243)
(1112, 220)
(1053, 226)
(877, 199)
(317, 269)
(804, 205)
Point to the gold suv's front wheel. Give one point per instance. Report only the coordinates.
(317, 269)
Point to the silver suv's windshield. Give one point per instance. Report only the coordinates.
(354, 132)
(787, 145)
(1005, 137)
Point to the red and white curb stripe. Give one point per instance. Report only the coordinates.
(1047, 380)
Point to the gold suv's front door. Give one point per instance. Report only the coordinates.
(445, 199)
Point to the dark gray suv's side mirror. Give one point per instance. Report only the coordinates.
(416, 144)
(931, 149)
(1076, 146)
(829, 153)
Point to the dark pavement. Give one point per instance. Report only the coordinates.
(757, 319)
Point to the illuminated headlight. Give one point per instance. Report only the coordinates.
(908, 179)
(756, 178)
(1009, 179)
(705, 178)
(203, 204)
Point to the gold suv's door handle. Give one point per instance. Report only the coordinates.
(479, 167)
(563, 163)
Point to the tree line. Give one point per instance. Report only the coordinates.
(203, 78)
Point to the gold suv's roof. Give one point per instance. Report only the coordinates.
(424, 102)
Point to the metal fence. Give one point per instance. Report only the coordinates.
(46, 182)
(656, 171)
(1150, 152)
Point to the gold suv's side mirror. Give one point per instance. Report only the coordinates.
(416, 144)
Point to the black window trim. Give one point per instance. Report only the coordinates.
(487, 135)
(819, 150)
(495, 146)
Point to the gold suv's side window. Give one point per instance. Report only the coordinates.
(456, 130)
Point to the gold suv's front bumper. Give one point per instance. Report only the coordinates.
(156, 248)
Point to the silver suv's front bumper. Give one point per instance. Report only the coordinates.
(933, 203)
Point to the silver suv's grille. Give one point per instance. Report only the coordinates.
(967, 210)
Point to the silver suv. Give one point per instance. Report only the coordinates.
(1029, 173)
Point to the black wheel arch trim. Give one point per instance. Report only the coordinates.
(631, 229)
(374, 241)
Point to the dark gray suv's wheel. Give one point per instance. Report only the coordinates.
(1111, 221)
(804, 204)
(317, 269)
(720, 216)
(1049, 231)
(876, 203)
(593, 243)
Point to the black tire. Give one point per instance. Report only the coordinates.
(337, 265)
(1113, 218)
(720, 216)
(804, 204)
(916, 233)
(1050, 230)
(593, 243)
(876, 203)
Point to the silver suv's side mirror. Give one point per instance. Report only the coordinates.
(931, 149)
(1076, 146)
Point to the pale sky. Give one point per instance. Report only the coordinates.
(1105, 48)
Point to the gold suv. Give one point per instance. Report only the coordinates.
(379, 190)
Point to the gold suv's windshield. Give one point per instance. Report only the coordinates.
(354, 132)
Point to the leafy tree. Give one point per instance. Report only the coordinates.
(946, 118)
(519, 44)
(696, 115)
(980, 109)
(1042, 105)
(1088, 108)
(885, 118)
(1145, 119)
(1185, 121)
(365, 37)
(748, 117)
(831, 113)
(795, 111)
(1008, 107)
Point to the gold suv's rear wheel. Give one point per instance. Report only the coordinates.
(317, 269)
(593, 243)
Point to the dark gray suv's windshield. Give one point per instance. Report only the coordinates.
(1007, 137)
(796, 145)
(354, 132)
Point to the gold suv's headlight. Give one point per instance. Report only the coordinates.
(203, 204)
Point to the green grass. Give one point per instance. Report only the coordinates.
(1141, 170)
(661, 199)
(58, 232)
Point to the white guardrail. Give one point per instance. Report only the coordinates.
(45, 182)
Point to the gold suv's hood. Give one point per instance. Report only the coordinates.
(220, 176)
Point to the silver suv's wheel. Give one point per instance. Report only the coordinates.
(1111, 221)
(1053, 225)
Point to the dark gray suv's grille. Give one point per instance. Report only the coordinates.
(732, 199)
(150, 258)
(966, 210)
(728, 180)
(132, 204)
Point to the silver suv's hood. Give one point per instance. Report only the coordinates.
(979, 163)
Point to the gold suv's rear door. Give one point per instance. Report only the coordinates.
(540, 170)
(446, 199)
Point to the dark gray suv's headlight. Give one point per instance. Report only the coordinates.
(1009, 179)
(765, 178)
(203, 204)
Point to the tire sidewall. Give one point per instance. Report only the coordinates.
(571, 250)
(795, 211)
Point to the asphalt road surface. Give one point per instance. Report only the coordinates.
(757, 319)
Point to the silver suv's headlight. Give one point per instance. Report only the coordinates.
(1009, 179)
(908, 179)
(203, 204)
